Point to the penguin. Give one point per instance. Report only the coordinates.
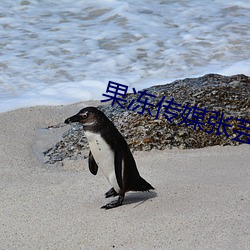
(110, 152)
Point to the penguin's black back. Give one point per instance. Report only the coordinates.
(131, 178)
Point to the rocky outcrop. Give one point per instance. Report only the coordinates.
(208, 111)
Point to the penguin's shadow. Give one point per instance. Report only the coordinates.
(137, 198)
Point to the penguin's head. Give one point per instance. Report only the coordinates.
(88, 117)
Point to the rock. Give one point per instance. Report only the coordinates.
(212, 93)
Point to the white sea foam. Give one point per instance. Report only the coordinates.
(60, 52)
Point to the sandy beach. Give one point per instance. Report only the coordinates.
(201, 198)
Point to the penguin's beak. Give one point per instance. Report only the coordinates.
(74, 118)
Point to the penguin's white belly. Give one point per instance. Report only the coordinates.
(104, 157)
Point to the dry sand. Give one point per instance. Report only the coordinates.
(201, 201)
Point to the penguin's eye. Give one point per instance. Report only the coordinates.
(84, 115)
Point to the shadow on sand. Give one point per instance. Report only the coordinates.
(138, 198)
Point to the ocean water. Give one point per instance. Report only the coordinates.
(61, 52)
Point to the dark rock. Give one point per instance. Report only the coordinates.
(230, 95)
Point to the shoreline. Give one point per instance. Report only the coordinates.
(201, 198)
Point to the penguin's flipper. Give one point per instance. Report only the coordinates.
(115, 203)
(118, 166)
(93, 167)
(111, 193)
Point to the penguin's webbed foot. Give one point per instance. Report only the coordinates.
(113, 204)
(111, 193)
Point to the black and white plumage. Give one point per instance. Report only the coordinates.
(110, 152)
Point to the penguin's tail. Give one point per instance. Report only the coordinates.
(141, 185)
